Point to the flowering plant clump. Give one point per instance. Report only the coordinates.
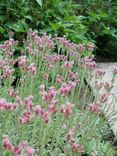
(47, 112)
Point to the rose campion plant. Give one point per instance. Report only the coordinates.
(46, 113)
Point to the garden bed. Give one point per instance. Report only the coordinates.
(50, 110)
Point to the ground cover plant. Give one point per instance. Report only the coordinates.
(49, 111)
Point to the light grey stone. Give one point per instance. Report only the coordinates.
(110, 110)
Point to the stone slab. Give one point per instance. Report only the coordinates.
(110, 110)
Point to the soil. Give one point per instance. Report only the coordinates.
(101, 58)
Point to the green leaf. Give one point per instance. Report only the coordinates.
(39, 2)
(2, 30)
(20, 26)
(29, 17)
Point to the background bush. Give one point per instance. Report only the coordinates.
(51, 16)
(101, 21)
(79, 20)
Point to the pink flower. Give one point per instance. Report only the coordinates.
(59, 79)
(72, 85)
(7, 72)
(67, 109)
(17, 150)
(22, 61)
(68, 64)
(100, 72)
(50, 67)
(104, 97)
(114, 70)
(73, 54)
(71, 75)
(95, 107)
(2, 103)
(39, 110)
(23, 144)
(90, 47)
(26, 117)
(91, 64)
(19, 100)
(79, 125)
(46, 117)
(28, 102)
(29, 151)
(52, 108)
(12, 93)
(48, 96)
(64, 90)
(80, 48)
(7, 144)
(54, 101)
(70, 135)
(7, 105)
(77, 147)
(99, 85)
(32, 68)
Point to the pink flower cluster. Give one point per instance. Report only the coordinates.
(89, 63)
(75, 147)
(26, 117)
(8, 106)
(42, 42)
(52, 108)
(66, 88)
(32, 68)
(66, 43)
(59, 79)
(8, 45)
(12, 93)
(49, 95)
(104, 97)
(67, 109)
(114, 70)
(37, 110)
(28, 102)
(68, 65)
(45, 115)
(7, 71)
(18, 150)
(95, 107)
(22, 62)
(81, 48)
(100, 72)
(90, 47)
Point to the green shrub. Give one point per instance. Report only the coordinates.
(51, 16)
(101, 20)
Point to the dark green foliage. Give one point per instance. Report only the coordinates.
(79, 20)
(101, 20)
(51, 16)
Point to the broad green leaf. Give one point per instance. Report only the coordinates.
(39, 2)
(2, 30)
(29, 17)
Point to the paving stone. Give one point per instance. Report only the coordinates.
(110, 110)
